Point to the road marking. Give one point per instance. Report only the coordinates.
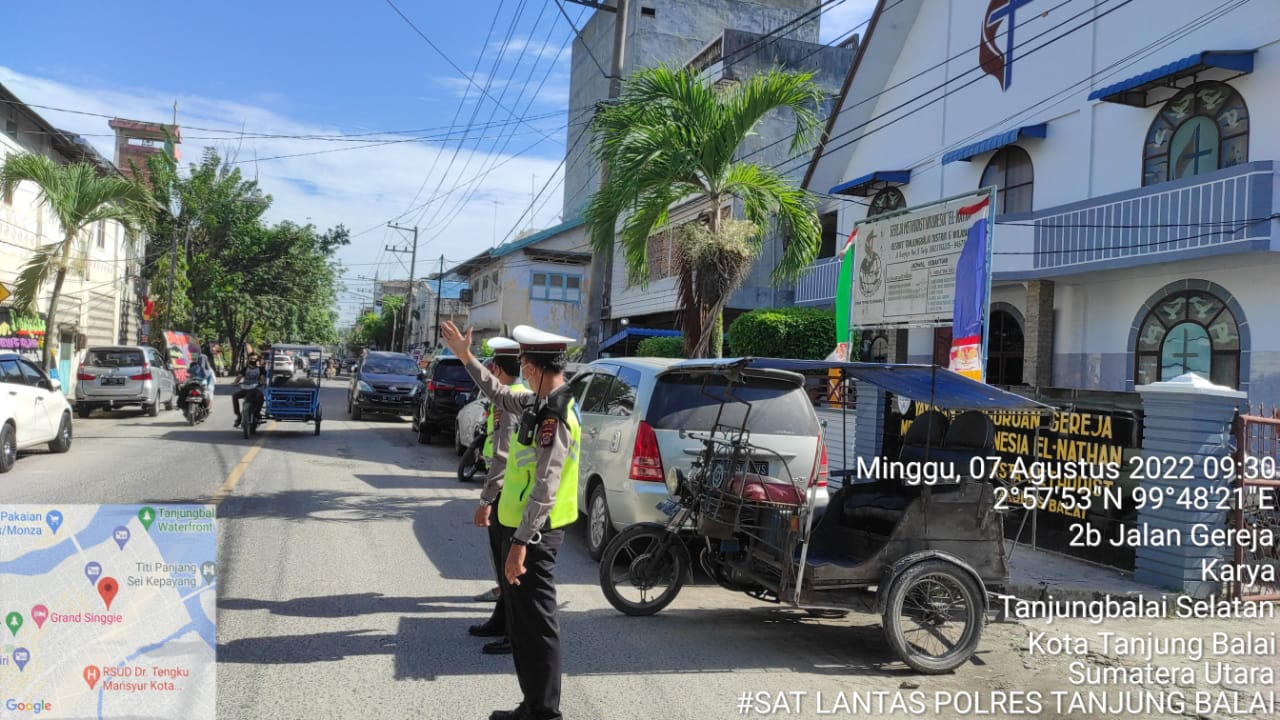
(238, 471)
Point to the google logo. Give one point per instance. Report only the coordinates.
(36, 707)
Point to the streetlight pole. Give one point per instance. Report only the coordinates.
(600, 262)
(413, 266)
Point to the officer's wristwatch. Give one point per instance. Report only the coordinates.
(486, 503)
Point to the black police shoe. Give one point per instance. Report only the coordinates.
(517, 714)
(486, 630)
(497, 647)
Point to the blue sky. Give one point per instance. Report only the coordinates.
(330, 68)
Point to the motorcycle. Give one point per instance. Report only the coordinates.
(252, 416)
(194, 400)
(473, 462)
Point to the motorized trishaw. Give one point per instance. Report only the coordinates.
(294, 397)
(921, 553)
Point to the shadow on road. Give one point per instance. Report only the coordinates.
(347, 605)
(427, 648)
(322, 505)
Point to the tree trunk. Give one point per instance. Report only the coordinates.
(51, 333)
(717, 335)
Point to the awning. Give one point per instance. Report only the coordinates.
(637, 332)
(1161, 84)
(924, 383)
(872, 183)
(1008, 137)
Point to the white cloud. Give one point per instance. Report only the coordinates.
(843, 17)
(360, 187)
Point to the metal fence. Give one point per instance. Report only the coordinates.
(1256, 504)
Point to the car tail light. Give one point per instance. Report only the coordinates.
(821, 471)
(144, 375)
(433, 386)
(84, 376)
(646, 460)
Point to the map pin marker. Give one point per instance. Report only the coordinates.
(14, 622)
(121, 534)
(146, 516)
(91, 675)
(92, 571)
(107, 588)
(54, 519)
(209, 571)
(21, 657)
(39, 613)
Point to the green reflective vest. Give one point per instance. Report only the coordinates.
(522, 470)
(491, 421)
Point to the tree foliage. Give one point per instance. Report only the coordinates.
(661, 347)
(673, 137)
(79, 196)
(793, 332)
(237, 278)
(375, 330)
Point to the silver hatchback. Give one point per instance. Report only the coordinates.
(124, 376)
(633, 411)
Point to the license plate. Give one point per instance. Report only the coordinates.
(112, 381)
(668, 507)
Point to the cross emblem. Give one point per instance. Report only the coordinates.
(994, 16)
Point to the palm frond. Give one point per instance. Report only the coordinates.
(748, 102)
(42, 265)
(769, 200)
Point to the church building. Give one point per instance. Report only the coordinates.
(1132, 145)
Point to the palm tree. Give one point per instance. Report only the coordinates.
(78, 197)
(672, 137)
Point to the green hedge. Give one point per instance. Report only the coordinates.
(799, 333)
(663, 347)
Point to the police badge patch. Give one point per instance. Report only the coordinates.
(547, 432)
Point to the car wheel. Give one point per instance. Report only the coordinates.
(168, 404)
(8, 448)
(153, 409)
(84, 412)
(599, 525)
(458, 447)
(424, 434)
(62, 442)
(355, 412)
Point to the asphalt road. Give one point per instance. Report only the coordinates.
(348, 561)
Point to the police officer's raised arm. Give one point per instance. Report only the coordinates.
(500, 394)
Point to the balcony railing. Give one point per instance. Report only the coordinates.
(818, 285)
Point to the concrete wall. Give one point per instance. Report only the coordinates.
(674, 32)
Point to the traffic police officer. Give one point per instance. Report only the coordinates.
(499, 426)
(539, 498)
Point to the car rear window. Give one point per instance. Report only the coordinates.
(777, 408)
(115, 357)
(390, 366)
(452, 373)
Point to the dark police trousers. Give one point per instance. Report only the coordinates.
(499, 617)
(532, 625)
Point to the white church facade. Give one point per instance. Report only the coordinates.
(1134, 146)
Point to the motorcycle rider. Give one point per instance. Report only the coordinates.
(202, 373)
(251, 382)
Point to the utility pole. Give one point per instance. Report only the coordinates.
(439, 296)
(413, 264)
(600, 262)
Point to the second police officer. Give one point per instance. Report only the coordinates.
(539, 498)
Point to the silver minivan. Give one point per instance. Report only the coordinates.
(633, 410)
(122, 376)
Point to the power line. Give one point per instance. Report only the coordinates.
(585, 45)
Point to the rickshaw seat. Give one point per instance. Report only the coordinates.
(762, 488)
(878, 507)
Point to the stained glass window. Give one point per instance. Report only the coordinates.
(1203, 128)
(1190, 331)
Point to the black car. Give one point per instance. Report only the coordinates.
(447, 388)
(384, 382)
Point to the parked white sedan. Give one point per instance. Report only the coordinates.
(33, 410)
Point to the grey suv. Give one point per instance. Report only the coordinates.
(633, 411)
(122, 376)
